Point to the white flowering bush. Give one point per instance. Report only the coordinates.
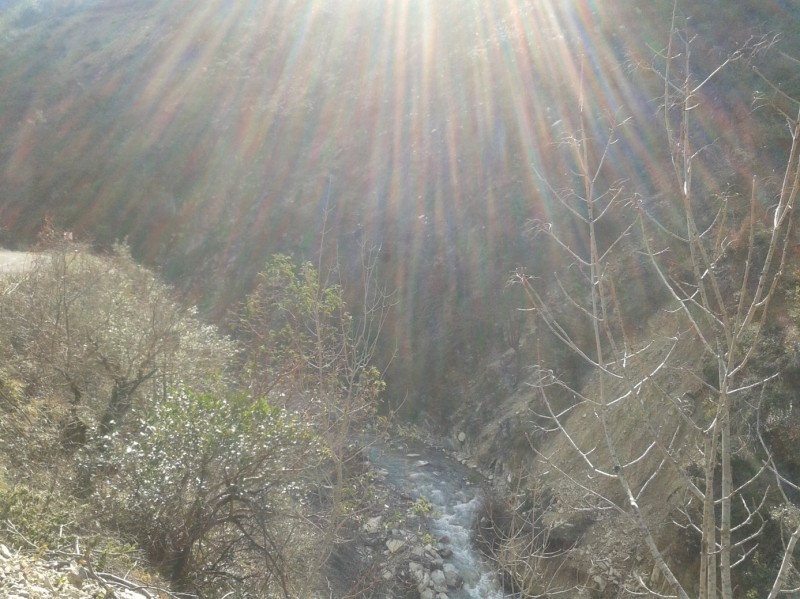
(213, 485)
(89, 338)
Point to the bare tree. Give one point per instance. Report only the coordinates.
(716, 306)
(514, 317)
(524, 543)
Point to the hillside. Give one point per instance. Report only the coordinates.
(212, 139)
(559, 234)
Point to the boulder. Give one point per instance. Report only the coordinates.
(462, 436)
(419, 574)
(77, 574)
(600, 583)
(425, 582)
(439, 581)
(393, 545)
(451, 576)
(426, 594)
(373, 525)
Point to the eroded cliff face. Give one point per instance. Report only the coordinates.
(561, 517)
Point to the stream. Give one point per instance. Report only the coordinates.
(453, 490)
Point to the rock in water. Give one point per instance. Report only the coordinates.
(451, 575)
(462, 436)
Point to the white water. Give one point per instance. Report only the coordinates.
(450, 487)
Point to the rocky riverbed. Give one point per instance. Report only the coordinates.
(418, 545)
(427, 549)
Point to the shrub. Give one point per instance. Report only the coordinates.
(211, 485)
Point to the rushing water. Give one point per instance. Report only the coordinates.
(451, 488)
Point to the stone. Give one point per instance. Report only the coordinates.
(439, 581)
(442, 596)
(373, 525)
(444, 539)
(77, 574)
(426, 594)
(393, 545)
(418, 574)
(451, 575)
(446, 553)
(424, 583)
(415, 567)
(421, 463)
(462, 436)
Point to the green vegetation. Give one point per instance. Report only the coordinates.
(422, 506)
(227, 463)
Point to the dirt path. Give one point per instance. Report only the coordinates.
(15, 261)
